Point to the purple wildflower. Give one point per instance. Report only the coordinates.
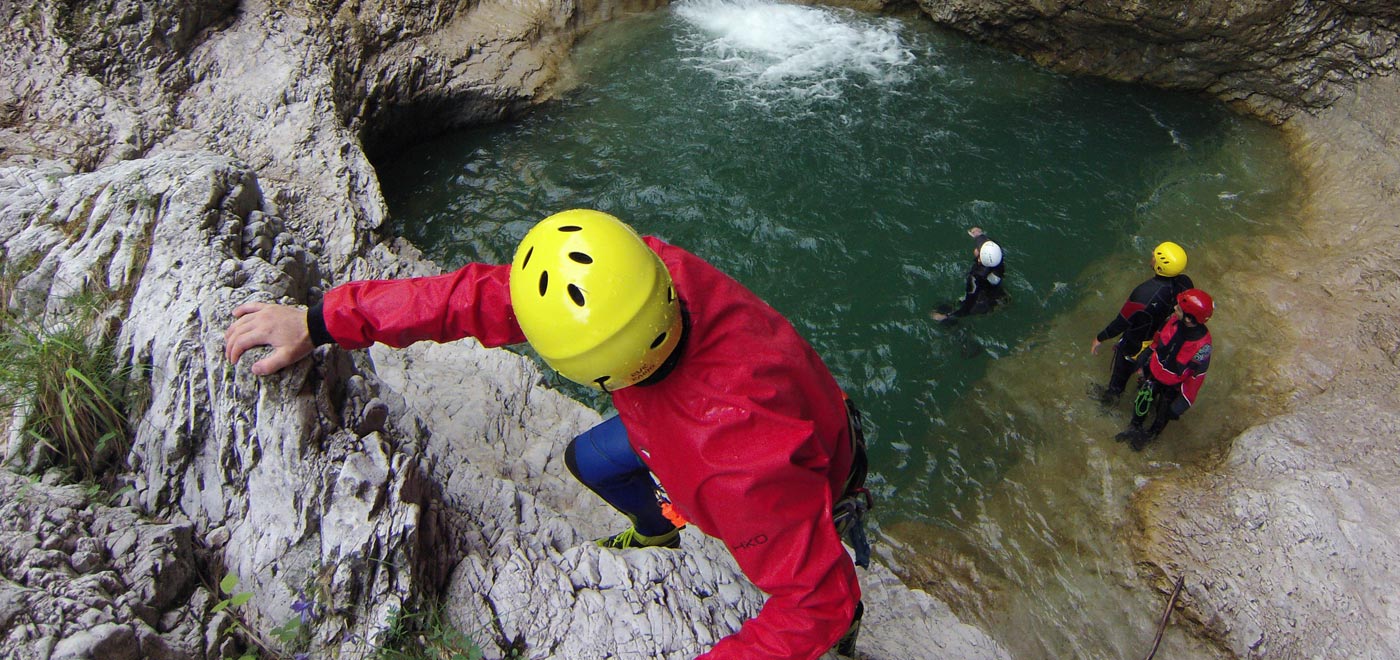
(305, 608)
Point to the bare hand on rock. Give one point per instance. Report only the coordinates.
(260, 324)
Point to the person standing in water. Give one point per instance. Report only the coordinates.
(983, 290)
(717, 395)
(1148, 307)
(1175, 368)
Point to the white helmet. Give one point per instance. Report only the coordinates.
(989, 254)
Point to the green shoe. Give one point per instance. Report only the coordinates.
(631, 539)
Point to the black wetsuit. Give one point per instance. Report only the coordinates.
(1147, 308)
(983, 287)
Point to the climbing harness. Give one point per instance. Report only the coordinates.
(1143, 403)
(849, 512)
(1134, 357)
(849, 516)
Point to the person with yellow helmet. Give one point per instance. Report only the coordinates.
(1147, 308)
(717, 396)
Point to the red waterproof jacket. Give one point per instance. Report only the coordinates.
(1179, 361)
(748, 433)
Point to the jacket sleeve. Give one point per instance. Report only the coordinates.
(471, 302)
(1123, 322)
(780, 531)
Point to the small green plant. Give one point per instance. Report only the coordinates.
(425, 635)
(66, 380)
(233, 601)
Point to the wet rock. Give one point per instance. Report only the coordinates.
(1271, 57)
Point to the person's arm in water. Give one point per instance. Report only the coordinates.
(471, 302)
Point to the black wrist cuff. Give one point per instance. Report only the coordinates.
(316, 326)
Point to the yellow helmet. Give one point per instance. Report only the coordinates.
(595, 302)
(1168, 259)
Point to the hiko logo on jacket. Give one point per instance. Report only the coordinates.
(752, 543)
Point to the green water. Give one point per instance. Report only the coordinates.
(832, 162)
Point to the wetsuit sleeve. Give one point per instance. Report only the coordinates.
(969, 299)
(1123, 322)
(471, 302)
(779, 529)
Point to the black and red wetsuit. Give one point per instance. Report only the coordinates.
(1176, 369)
(1147, 308)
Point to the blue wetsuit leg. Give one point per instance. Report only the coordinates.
(604, 461)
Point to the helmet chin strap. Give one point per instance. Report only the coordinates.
(675, 357)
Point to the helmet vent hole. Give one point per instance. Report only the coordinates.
(544, 282)
(526, 261)
(581, 257)
(660, 339)
(602, 382)
(570, 228)
(670, 294)
(576, 294)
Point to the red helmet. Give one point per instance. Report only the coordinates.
(1197, 303)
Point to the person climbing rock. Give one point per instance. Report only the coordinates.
(983, 290)
(743, 426)
(1142, 315)
(1175, 368)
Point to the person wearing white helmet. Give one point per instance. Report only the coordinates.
(984, 279)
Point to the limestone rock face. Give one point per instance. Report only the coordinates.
(294, 89)
(197, 155)
(66, 559)
(269, 475)
(1273, 57)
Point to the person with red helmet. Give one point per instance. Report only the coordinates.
(1174, 369)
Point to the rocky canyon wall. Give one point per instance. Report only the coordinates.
(1270, 58)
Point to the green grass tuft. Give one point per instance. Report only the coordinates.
(61, 380)
(425, 635)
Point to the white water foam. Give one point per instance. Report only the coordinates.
(801, 52)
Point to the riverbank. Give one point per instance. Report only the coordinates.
(1289, 541)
